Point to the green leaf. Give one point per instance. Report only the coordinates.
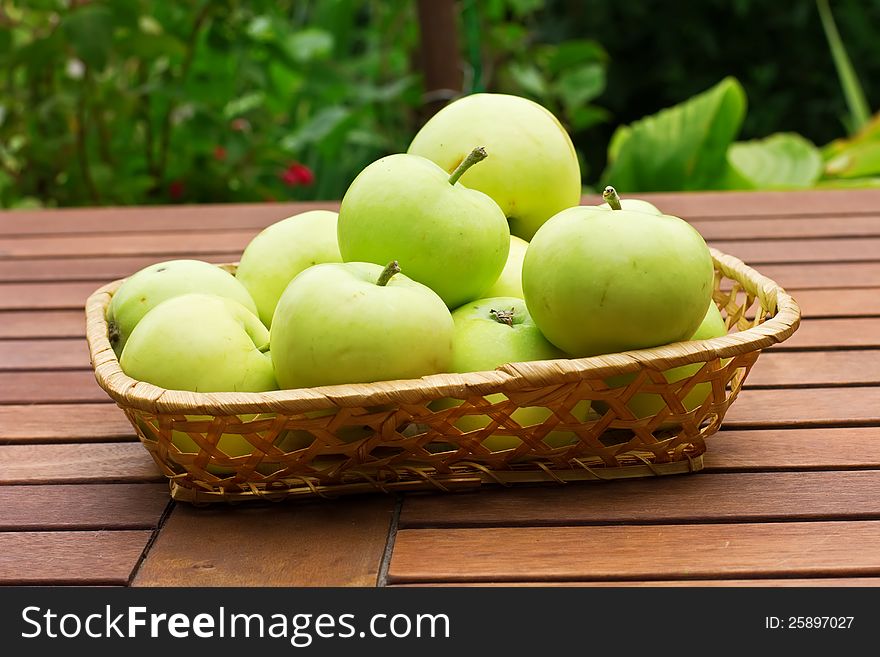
(571, 53)
(316, 128)
(857, 161)
(849, 81)
(528, 78)
(90, 31)
(309, 45)
(781, 161)
(582, 118)
(683, 147)
(244, 104)
(579, 86)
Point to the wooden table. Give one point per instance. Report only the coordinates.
(790, 494)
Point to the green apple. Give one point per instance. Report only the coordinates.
(279, 252)
(647, 404)
(148, 287)
(403, 207)
(492, 332)
(599, 282)
(357, 323)
(201, 343)
(533, 172)
(509, 284)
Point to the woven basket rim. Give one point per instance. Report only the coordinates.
(129, 392)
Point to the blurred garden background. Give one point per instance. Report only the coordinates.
(153, 102)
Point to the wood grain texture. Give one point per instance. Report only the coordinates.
(28, 324)
(847, 333)
(756, 252)
(301, 544)
(160, 245)
(50, 387)
(77, 463)
(762, 583)
(46, 296)
(81, 507)
(714, 551)
(84, 558)
(47, 354)
(806, 203)
(824, 275)
(98, 269)
(208, 216)
(861, 302)
(737, 497)
(805, 407)
(779, 449)
(53, 423)
(817, 368)
(747, 228)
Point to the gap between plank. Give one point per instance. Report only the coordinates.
(382, 577)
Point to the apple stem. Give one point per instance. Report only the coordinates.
(503, 316)
(611, 198)
(477, 155)
(391, 268)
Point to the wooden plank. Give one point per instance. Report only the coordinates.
(77, 463)
(787, 228)
(53, 423)
(736, 497)
(46, 296)
(815, 368)
(99, 506)
(96, 269)
(805, 407)
(84, 558)
(161, 245)
(862, 302)
(823, 275)
(209, 216)
(806, 203)
(50, 387)
(759, 252)
(833, 334)
(42, 324)
(779, 449)
(763, 583)
(47, 354)
(303, 544)
(704, 551)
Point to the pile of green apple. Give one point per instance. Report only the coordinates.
(467, 252)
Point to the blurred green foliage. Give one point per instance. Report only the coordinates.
(131, 101)
(137, 102)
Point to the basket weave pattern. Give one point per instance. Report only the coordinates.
(389, 436)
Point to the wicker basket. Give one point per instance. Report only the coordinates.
(394, 435)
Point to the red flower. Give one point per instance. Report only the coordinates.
(176, 189)
(297, 174)
(219, 153)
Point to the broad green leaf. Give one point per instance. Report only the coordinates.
(244, 104)
(857, 161)
(528, 78)
(308, 45)
(783, 160)
(849, 183)
(316, 128)
(582, 118)
(567, 54)
(683, 147)
(579, 86)
(869, 133)
(90, 31)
